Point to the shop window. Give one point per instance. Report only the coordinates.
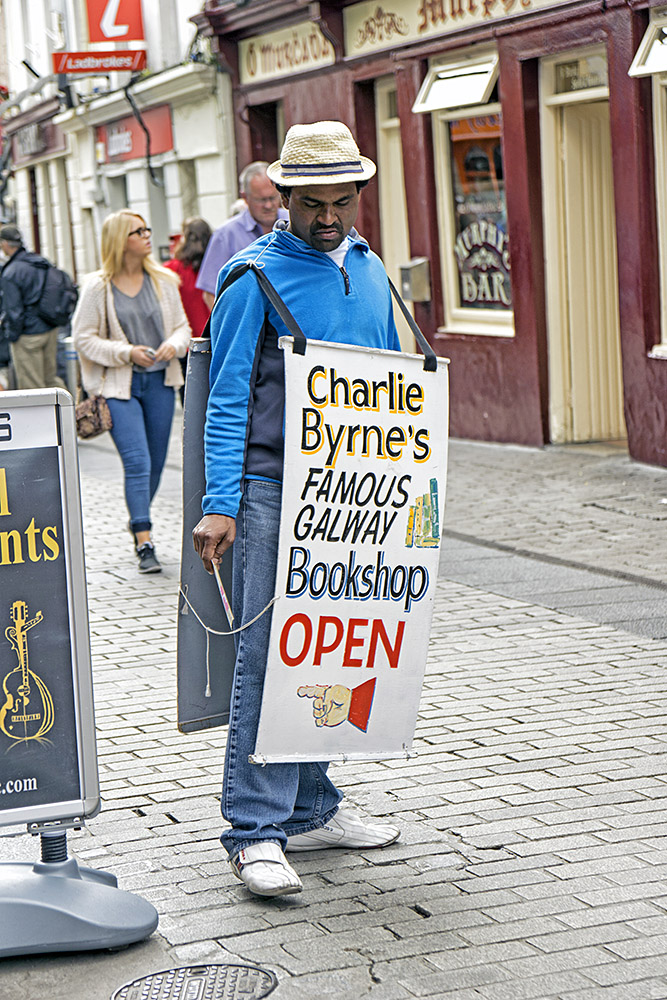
(480, 243)
(651, 60)
(116, 192)
(462, 98)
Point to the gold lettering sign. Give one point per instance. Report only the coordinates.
(284, 53)
(371, 26)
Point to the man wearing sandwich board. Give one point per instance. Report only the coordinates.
(337, 290)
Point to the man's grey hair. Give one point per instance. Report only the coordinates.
(255, 169)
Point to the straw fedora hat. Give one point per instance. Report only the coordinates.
(321, 153)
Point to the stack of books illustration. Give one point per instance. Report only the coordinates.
(423, 529)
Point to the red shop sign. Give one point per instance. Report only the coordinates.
(115, 21)
(117, 61)
(125, 139)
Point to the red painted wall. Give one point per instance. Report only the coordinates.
(499, 385)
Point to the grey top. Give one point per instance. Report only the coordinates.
(140, 317)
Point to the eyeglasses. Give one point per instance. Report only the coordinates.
(144, 231)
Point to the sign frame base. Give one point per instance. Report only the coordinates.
(337, 758)
(60, 907)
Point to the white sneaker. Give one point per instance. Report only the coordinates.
(264, 869)
(346, 829)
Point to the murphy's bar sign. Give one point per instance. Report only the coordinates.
(361, 524)
(283, 53)
(370, 26)
(41, 765)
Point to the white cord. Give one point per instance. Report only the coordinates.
(232, 631)
(211, 631)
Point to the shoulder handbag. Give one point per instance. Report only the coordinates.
(93, 416)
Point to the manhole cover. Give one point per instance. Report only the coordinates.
(201, 982)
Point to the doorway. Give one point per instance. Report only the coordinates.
(267, 130)
(393, 206)
(584, 343)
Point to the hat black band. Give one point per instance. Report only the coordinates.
(321, 169)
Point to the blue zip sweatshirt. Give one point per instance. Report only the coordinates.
(245, 415)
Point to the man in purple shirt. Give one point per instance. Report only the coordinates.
(263, 209)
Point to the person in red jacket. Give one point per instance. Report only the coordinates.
(188, 255)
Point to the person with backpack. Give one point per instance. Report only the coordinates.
(26, 282)
(130, 329)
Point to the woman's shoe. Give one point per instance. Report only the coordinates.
(147, 559)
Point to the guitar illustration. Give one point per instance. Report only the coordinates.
(27, 713)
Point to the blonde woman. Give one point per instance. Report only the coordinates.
(130, 329)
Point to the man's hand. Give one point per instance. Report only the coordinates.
(212, 537)
(331, 702)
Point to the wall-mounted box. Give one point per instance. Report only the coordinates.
(416, 280)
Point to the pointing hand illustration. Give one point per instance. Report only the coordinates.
(331, 702)
(335, 703)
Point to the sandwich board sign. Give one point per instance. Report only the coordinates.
(48, 757)
(362, 506)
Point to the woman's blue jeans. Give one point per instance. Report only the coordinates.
(141, 428)
(272, 801)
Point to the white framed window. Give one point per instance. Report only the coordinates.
(470, 178)
(651, 56)
(651, 60)
(457, 84)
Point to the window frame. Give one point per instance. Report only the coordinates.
(659, 88)
(485, 65)
(637, 67)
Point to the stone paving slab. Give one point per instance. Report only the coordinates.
(583, 505)
(533, 860)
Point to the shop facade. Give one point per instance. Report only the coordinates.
(521, 149)
(170, 159)
(41, 197)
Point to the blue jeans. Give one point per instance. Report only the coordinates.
(272, 801)
(141, 428)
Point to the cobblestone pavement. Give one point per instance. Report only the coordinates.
(584, 505)
(533, 858)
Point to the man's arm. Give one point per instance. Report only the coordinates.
(237, 322)
(236, 325)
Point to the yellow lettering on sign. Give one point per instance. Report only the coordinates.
(4, 498)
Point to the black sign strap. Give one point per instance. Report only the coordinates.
(299, 346)
(430, 358)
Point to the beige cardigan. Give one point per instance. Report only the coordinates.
(99, 348)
